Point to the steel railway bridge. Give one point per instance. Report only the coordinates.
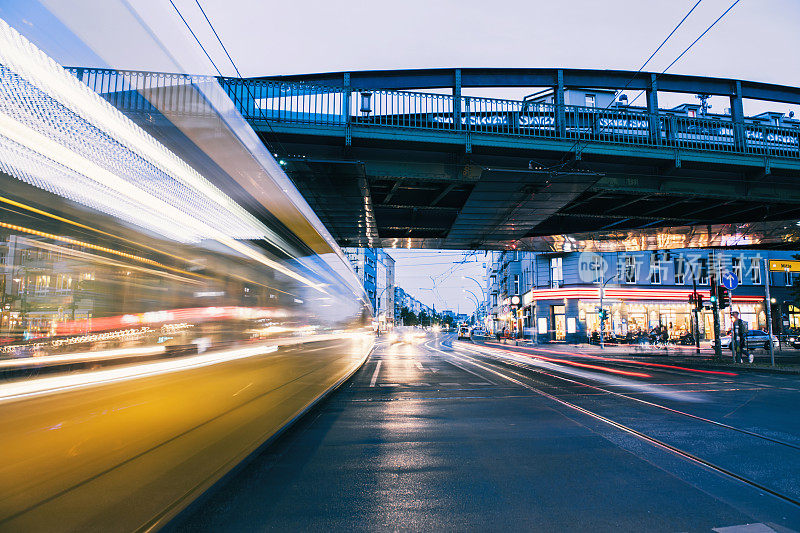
(405, 159)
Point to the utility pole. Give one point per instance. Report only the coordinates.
(768, 306)
(715, 306)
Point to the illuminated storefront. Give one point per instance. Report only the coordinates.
(571, 314)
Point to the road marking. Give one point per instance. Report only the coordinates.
(375, 374)
(419, 365)
(389, 385)
(745, 528)
(450, 384)
(479, 383)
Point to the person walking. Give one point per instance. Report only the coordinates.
(739, 339)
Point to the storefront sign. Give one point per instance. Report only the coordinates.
(778, 265)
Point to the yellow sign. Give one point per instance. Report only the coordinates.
(778, 265)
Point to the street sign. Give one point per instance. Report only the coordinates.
(730, 280)
(779, 265)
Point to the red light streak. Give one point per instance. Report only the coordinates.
(642, 363)
(582, 365)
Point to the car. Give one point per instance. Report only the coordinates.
(463, 332)
(478, 332)
(755, 339)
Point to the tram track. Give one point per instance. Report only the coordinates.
(659, 406)
(502, 369)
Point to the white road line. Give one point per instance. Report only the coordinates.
(450, 384)
(428, 345)
(375, 374)
(419, 365)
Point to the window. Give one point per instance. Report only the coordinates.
(692, 113)
(755, 271)
(788, 277)
(630, 269)
(556, 272)
(516, 284)
(655, 270)
(589, 100)
(702, 267)
(680, 270)
(736, 263)
(494, 299)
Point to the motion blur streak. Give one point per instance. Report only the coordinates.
(157, 325)
(642, 363)
(582, 365)
(630, 384)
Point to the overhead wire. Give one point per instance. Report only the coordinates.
(692, 44)
(638, 71)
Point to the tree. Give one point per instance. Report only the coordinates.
(424, 319)
(408, 318)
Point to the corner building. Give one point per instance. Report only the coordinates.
(559, 294)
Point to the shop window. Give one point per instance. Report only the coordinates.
(755, 271)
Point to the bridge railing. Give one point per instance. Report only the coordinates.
(279, 102)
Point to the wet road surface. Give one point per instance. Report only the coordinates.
(449, 435)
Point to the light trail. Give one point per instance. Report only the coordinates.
(575, 363)
(27, 389)
(630, 361)
(99, 355)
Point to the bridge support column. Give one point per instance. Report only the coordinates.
(737, 117)
(468, 140)
(346, 90)
(457, 99)
(651, 93)
(558, 100)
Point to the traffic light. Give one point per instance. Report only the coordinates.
(713, 291)
(722, 295)
(603, 314)
(699, 301)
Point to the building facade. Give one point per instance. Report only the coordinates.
(556, 297)
(375, 269)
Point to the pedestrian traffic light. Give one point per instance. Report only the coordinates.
(699, 301)
(722, 294)
(713, 298)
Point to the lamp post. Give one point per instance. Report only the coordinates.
(602, 311)
(476, 301)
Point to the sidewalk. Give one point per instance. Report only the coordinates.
(787, 361)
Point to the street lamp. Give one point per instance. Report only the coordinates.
(476, 301)
(483, 291)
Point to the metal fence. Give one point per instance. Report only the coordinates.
(278, 102)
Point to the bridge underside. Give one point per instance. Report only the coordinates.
(535, 194)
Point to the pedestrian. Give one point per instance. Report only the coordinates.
(739, 339)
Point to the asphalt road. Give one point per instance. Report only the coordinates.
(453, 436)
